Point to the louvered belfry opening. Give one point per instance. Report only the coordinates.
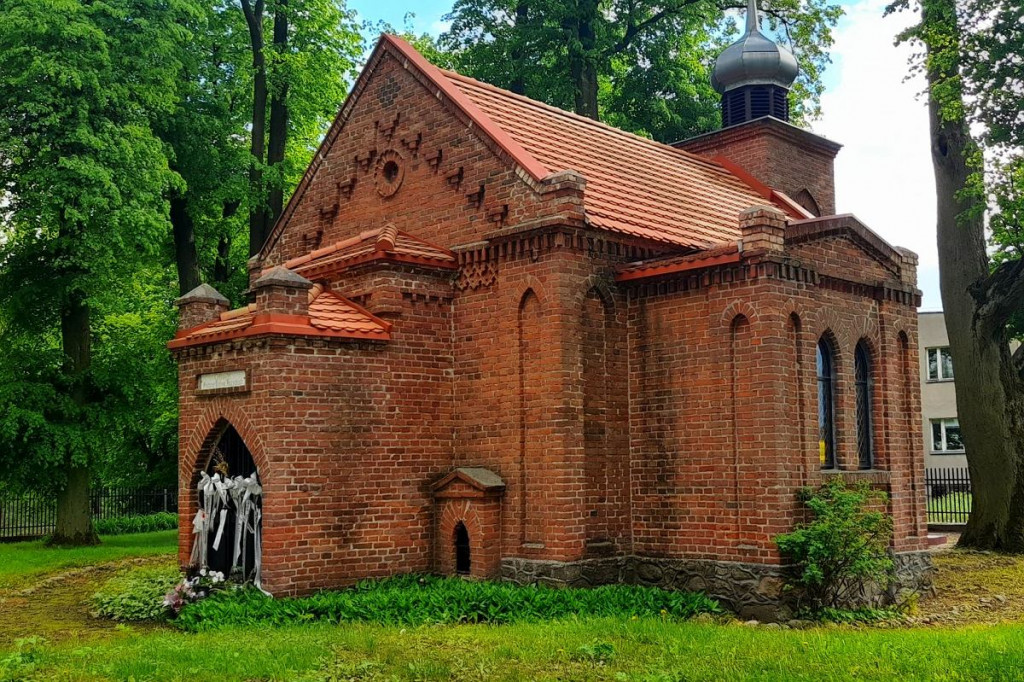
(754, 101)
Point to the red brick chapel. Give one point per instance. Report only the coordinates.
(491, 337)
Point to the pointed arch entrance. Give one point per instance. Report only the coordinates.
(231, 506)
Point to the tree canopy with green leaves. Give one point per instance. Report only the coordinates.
(640, 65)
(143, 141)
(84, 180)
(262, 79)
(128, 139)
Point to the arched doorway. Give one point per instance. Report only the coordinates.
(235, 510)
(462, 558)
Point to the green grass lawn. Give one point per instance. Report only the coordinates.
(600, 649)
(22, 561)
(939, 508)
(65, 643)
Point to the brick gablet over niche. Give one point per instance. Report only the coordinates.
(468, 528)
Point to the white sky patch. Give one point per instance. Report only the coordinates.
(884, 172)
(439, 26)
(427, 15)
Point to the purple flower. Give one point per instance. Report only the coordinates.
(174, 601)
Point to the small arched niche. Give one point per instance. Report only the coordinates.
(462, 555)
(468, 511)
(806, 199)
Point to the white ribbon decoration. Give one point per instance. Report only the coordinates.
(237, 494)
(220, 528)
(214, 495)
(209, 505)
(224, 493)
(250, 515)
(199, 530)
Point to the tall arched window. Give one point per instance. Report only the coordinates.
(862, 369)
(826, 405)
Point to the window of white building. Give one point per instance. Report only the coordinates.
(940, 364)
(946, 436)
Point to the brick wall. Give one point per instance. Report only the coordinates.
(778, 154)
(724, 428)
(346, 436)
(454, 187)
(672, 418)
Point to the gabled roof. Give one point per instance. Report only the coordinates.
(848, 225)
(893, 259)
(635, 186)
(483, 480)
(386, 243)
(330, 315)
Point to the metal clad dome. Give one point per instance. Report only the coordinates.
(754, 59)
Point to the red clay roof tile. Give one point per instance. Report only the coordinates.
(634, 185)
(385, 243)
(332, 312)
(329, 315)
(667, 265)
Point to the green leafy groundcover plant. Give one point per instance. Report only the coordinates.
(136, 596)
(418, 600)
(122, 525)
(862, 616)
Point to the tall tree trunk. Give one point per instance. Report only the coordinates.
(988, 390)
(278, 124)
(185, 258)
(583, 58)
(222, 263)
(518, 52)
(258, 206)
(74, 522)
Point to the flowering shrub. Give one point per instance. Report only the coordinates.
(191, 590)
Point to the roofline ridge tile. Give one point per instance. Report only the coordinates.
(440, 78)
(443, 249)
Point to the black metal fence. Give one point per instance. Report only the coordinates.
(949, 495)
(34, 515)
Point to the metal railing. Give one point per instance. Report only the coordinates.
(33, 515)
(949, 495)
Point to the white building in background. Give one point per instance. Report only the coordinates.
(943, 446)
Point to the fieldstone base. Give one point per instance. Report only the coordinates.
(753, 591)
(914, 574)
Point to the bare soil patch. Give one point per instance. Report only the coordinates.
(974, 588)
(57, 607)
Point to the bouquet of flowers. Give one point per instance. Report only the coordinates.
(193, 589)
